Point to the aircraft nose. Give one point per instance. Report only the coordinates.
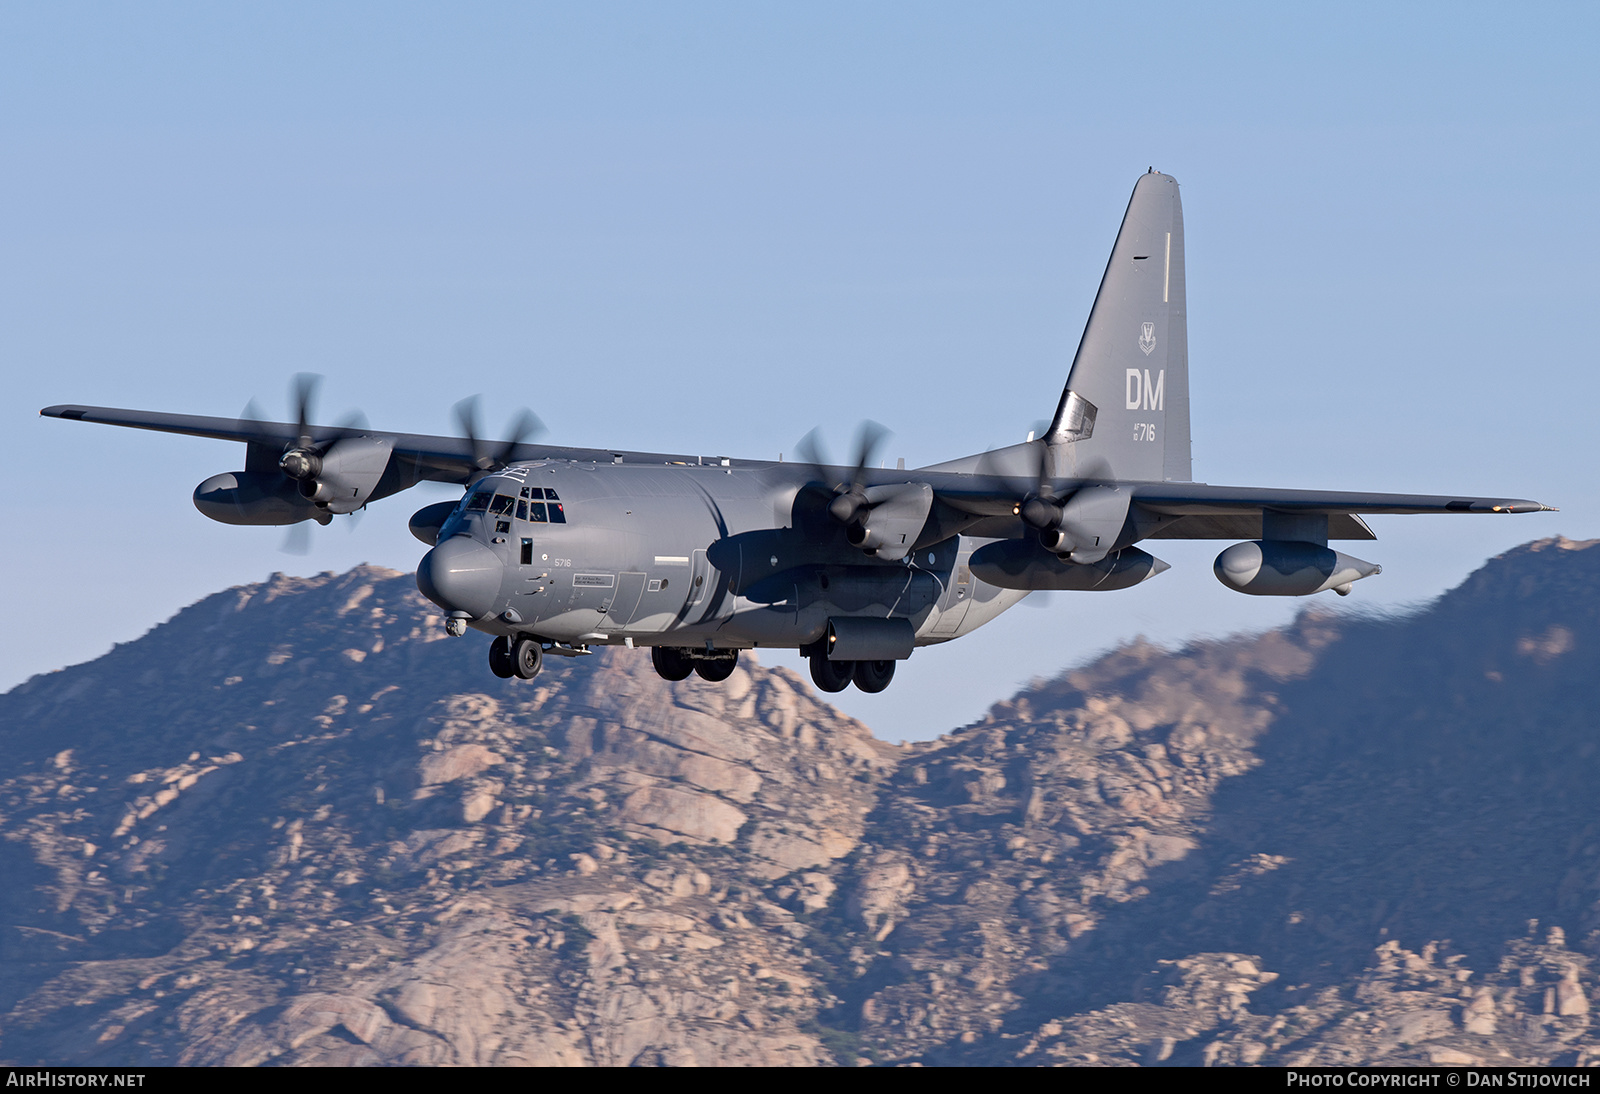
(461, 575)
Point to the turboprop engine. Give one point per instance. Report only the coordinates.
(1083, 528)
(342, 478)
(308, 485)
(307, 479)
(884, 520)
(1276, 567)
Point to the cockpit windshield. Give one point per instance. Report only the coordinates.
(537, 504)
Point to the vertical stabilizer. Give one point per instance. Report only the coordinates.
(1126, 404)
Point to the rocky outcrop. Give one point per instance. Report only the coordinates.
(250, 845)
(296, 824)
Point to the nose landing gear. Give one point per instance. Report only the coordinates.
(500, 658)
(522, 658)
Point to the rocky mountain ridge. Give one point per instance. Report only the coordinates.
(297, 825)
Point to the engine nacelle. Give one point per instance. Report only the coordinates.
(342, 478)
(255, 497)
(897, 514)
(1087, 527)
(1024, 564)
(1280, 567)
(426, 522)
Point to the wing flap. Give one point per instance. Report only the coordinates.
(1248, 526)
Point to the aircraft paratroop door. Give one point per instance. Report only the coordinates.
(630, 587)
(952, 609)
(699, 583)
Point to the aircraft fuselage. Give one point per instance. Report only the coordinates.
(706, 557)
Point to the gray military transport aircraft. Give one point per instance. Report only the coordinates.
(554, 550)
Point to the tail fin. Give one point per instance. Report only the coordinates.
(1126, 404)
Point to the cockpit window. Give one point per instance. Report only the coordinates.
(558, 514)
(536, 512)
(551, 494)
(503, 504)
(477, 503)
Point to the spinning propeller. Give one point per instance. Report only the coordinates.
(313, 449)
(488, 455)
(851, 499)
(1040, 508)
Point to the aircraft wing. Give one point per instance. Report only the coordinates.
(1200, 499)
(439, 459)
(1201, 511)
(1233, 512)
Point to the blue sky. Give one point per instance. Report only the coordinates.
(711, 227)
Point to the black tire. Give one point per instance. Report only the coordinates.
(718, 670)
(670, 663)
(873, 676)
(500, 658)
(831, 676)
(527, 657)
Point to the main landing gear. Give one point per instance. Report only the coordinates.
(522, 658)
(835, 676)
(676, 663)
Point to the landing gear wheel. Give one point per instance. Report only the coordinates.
(670, 663)
(500, 658)
(873, 676)
(719, 669)
(527, 657)
(831, 676)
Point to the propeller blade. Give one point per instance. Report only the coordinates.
(297, 541)
(303, 394)
(524, 427)
(869, 439)
(353, 424)
(811, 451)
(485, 455)
(466, 412)
(1093, 471)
